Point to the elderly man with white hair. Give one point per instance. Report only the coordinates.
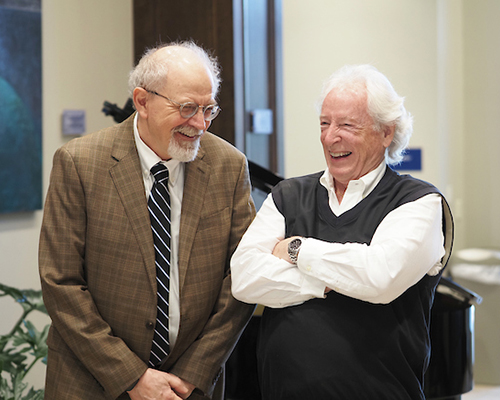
(139, 225)
(347, 260)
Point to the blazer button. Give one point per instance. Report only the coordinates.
(150, 325)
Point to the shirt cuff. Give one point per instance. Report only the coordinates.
(305, 261)
(310, 285)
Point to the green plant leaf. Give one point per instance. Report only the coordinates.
(6, 392)
(9, 291)
(29, 299)
(40, 349)
(23, 338)
(12, 361)
(4, 339)
(18, 385)
(34, 394)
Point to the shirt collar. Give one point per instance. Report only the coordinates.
(149, 158)
(367, 182)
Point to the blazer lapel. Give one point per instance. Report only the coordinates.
(127, 177)
(196, 178)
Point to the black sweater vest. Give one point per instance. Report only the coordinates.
(342, 348)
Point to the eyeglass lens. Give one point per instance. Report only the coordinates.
(209, 112)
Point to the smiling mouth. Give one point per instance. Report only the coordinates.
(189, 133)
(340, 155)
(189, 136)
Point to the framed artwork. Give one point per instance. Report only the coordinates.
(20, 106)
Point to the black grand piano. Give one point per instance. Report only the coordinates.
(450, 372)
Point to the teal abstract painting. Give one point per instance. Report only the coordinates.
(20, 106)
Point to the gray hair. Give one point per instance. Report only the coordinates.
(385, 106)
(151, 74)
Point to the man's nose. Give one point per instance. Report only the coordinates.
(198, 120)
(332, 136)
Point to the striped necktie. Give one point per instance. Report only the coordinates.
(159, 212)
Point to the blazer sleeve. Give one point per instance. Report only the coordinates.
(75, 317)
(203, 361)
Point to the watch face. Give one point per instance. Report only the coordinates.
(294, 244)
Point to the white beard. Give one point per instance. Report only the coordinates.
(184, 151)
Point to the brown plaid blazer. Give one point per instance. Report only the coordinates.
(97, 266)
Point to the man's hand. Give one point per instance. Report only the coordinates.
(281, 249)
(158, 385)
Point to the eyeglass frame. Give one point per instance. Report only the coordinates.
(181, 106)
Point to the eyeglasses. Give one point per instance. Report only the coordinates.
(189, 109)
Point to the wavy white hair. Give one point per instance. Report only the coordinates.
(385, 106)
(151, 74)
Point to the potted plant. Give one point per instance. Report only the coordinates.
(22, 347)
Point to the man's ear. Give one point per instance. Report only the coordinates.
(389, 134)
(140, 97)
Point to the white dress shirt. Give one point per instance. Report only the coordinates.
(176, 187)
(407, 244)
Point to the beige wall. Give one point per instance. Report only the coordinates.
(481, 161)
(442, 55)
(87, 55)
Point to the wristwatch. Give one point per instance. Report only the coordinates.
(293, 249)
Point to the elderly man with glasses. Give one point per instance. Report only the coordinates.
(139, 224)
